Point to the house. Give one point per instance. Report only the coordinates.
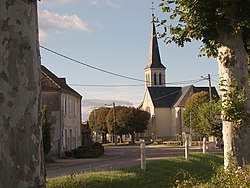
(64, 108)
(165, 104)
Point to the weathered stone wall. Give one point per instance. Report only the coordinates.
(52, 101)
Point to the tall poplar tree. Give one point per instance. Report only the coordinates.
(21, 156)
(223, 27)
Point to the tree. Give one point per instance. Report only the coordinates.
(129, 120)
(223, 27)
(118, 125)
(138, 122)
(190, 115)
(101, 122)
(46, 127)
(209, 123)
(21, 152)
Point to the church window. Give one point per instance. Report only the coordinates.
(160, 79)
(155, 83)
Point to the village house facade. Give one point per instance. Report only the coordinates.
(64, 109)
(165, 104)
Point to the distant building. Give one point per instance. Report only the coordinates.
(64, 108)
(165, 104)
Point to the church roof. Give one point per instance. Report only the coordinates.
(167, 97)
(154, 59)
(164, 96)
(187, 91)
(51, 82)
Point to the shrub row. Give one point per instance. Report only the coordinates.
(86, 151)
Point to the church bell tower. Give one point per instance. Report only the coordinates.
(155, 70)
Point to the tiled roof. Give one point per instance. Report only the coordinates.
(164, 96)
(51, 82)
(213, 90)
(175, 96)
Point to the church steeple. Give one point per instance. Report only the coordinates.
(155, 70)
(154, 59)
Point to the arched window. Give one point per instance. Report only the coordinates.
(155, 83)
(160, 79)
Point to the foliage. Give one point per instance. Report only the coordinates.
(190, 115)
(160, 173)
(201, 115)
(234, 176)
(138, 120)
(223, 26)
(209, 123)
(129, 120)
(100, 119)
(86, 151)
(233, 107)
(205, 21)
(46, 130)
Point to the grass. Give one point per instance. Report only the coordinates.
(159, 174)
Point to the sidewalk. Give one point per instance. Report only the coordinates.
(69, 162)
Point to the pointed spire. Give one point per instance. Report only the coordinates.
(154, 59)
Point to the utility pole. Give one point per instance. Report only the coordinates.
(210, 88)
(114, 116)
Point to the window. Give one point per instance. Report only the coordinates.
(66, 140)
(160, 79)
(155, 83)
(65, 105)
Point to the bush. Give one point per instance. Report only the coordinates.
(234, 176)
(86, 151)
(69, 153)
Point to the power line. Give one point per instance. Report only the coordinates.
(185, 82)
(107, 85)
(215, 81)
(90, 66)
(165, 95)
(112, 73)
(134, 85)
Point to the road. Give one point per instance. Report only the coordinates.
(113, 158)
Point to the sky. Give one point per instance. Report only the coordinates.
(112, 35)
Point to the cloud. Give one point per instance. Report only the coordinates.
(89, 104)
(99, 102)
(53, 21)
(42, 35)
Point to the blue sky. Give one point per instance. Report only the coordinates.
(113, 35)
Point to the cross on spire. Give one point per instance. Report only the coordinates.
(152, 8)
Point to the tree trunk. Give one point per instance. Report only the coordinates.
(103, 138)
(121, 140)
(21, 156)
(132, 137)
(233, 67)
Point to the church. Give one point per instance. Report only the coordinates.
(165, 104)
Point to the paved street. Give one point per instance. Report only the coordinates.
(114, 157)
